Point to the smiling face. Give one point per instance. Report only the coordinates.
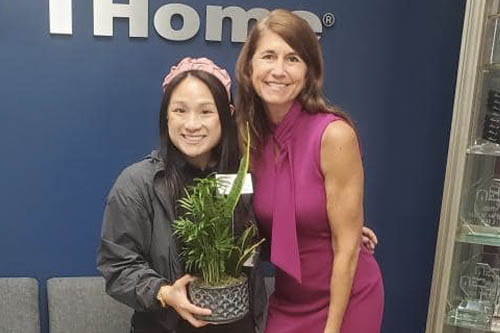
(278, 74)
(193, 121)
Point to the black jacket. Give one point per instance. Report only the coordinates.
(138, 252)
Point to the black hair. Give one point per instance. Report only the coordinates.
(225, 153)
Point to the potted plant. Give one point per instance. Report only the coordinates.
(210, 249)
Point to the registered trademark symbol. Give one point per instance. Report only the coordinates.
(328, 19)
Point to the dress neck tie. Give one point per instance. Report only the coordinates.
(284, 244)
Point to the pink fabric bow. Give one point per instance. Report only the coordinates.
(284, 245)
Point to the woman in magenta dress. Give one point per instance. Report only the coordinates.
(308, 178)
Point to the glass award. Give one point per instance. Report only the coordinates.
(487, 200)
(478, 290)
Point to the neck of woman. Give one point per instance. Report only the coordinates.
(276, 112)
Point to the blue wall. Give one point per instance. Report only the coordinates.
(75, 110)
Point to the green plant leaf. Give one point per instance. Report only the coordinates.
(234, 194)
(247, 254)
(205, 229)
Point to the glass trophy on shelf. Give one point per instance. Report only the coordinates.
(486, 206)
(487, 202)
(481, 212)
(478, 297)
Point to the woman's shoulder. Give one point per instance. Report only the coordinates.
(320, 118)
(138, 176)
(316, 123)
(340, 133)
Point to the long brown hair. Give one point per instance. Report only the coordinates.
(297, 33)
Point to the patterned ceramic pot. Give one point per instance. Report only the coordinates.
(228, 303)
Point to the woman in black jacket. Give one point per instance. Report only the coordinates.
(138, 255)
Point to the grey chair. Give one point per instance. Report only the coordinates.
(19, 312)
(80, 304)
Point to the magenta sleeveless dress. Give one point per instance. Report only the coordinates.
(290, 205)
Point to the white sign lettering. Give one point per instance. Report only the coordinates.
(163, 22)
(61, 17)
(136, 11)
(239, 22)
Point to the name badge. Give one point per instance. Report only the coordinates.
(227, 181)
(250, 262)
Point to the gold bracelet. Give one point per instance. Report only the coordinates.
(160, 296)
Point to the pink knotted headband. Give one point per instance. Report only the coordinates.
(201, 64)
